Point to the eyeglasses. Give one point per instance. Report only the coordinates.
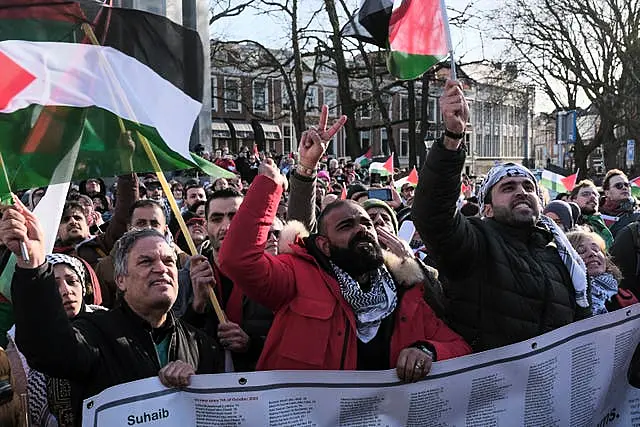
(621, 185)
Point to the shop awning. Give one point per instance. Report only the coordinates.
(271, 131)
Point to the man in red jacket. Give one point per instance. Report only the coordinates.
(337, 304)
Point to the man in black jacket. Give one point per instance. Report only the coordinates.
(511, 275)
(139, 339)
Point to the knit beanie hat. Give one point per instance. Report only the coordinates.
(73, 262)
(563, 210)
(375, 203)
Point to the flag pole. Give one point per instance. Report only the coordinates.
(23, 246)
(447, 29)
(158, 170)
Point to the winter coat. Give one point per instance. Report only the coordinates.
(98, 350)
(314, 327)
(254, 319)
(505, 284)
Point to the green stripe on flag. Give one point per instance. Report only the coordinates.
(99, 154)
(211, 169)
(408, 66)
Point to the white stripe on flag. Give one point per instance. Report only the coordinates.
(74, 75)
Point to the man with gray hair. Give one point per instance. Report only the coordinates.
(512, 275)
(139, 339)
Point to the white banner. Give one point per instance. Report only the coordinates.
(573, 376)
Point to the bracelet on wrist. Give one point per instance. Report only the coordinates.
(305, 170)
(453, 135)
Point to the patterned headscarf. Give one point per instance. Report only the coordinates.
(500, 171)
(72, 262)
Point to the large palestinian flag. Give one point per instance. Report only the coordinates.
(418, 37)
(57, 87)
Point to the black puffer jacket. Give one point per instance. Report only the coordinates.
(98, 350)
(505, 285)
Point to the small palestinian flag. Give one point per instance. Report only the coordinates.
(58, 87)
(418, 37)
(365, 159)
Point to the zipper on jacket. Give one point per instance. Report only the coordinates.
(347, 330)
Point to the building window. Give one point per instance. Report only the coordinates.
(232, 95)
(214, 93)
(311, 102)
(432, 110)
(365, 108)
(404, 108)
(284, 97)
(286, 137)
(387, 100)
(260, 96)
(365, 139)
(384, 141)
(404, 142)
(330, 99)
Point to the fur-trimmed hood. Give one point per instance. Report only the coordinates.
(407, 272)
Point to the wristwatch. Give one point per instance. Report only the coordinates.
(423, 348)
(453, 135)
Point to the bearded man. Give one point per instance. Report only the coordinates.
(336, 304)
(511, 275)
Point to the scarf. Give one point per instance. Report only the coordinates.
(617, 208)
(603, 287)
(571, 259)
(598, 225)
(369, 307)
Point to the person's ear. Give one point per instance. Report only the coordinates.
(488, 210)
(120, 283)
(322, 242)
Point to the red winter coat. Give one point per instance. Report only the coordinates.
(314, 327)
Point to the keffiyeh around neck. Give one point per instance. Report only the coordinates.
(571, 259)
(369, 307)
(603, 287)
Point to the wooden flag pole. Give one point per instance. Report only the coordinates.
(222, 318)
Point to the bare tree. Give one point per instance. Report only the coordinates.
(579, 51)
(219, 9)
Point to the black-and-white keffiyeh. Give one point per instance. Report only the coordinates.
(369, 307)
(603, 287)
(498, 172)
(571, 259)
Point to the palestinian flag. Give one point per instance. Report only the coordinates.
(418, 37)
(370, 23)
(58, 87)
(556, 182)
(365, 159)
(412, 179)
(635, 187)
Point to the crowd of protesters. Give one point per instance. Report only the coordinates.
(311, 270)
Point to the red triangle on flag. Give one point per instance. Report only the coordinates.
(413, 176)
(636, 181)
(14, 80)
(569, 181)
(388, 165)
(343, 194)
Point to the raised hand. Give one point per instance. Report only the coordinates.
(269, 169)
(455, 112)
(314, 142)
(19, 224)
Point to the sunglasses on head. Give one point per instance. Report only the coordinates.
(621, 185)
